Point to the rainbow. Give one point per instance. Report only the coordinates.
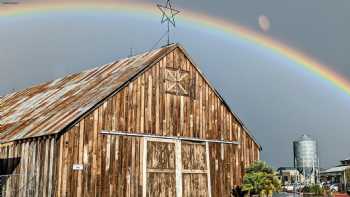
(208, 22)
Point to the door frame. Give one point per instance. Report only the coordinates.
(178, 164)
(144, 160)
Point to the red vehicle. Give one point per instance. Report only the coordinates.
(342, 195)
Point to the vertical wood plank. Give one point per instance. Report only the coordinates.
(178, 172)
(144, 167)
(208, 168)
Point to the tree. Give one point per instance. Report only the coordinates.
(261, 179)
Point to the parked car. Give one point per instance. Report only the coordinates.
(288, 188)
(299, 187)
(334, 188)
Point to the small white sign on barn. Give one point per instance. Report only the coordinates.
(78, 167)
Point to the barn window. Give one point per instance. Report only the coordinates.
(177, 81)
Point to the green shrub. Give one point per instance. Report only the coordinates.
(314, 188)
(261, 179)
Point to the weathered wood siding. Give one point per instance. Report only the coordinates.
(31, 164)
(113, 165)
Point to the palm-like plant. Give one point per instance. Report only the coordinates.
(261, 179)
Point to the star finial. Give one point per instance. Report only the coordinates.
(168, 15)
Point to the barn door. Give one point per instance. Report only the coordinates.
(195, 176)
(174, 168)
(160, 172)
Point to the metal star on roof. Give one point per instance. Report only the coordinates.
(168, 13)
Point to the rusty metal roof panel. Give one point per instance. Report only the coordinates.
(49, 107)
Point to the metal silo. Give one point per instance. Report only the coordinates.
(306, 158)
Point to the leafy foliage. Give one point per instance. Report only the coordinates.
(237, 191)
(315, 189)
(259, 166)
(261, 179)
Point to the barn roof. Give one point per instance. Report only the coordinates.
(50, 107)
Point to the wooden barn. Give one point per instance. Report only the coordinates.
(148, 125)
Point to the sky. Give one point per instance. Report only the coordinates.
(276, 99)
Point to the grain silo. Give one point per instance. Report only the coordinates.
(306, 158)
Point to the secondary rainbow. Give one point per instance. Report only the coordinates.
(205, 21)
